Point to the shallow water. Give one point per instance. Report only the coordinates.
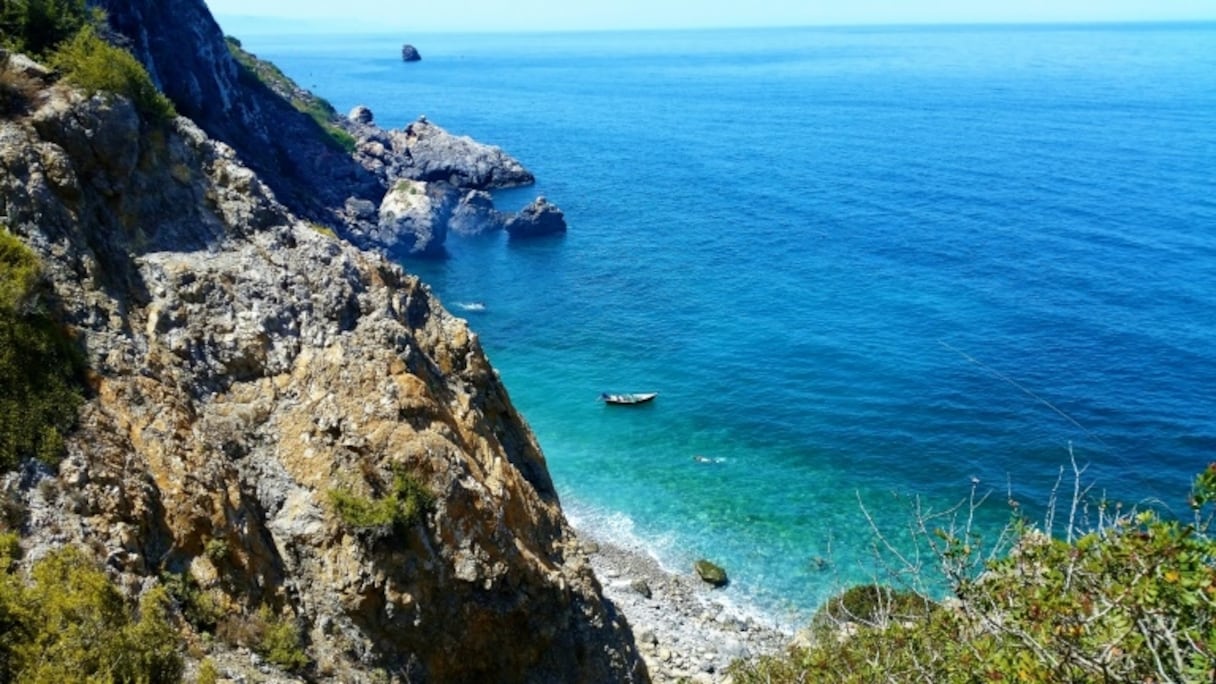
(862, 266)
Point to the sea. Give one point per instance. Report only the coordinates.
(876, 274)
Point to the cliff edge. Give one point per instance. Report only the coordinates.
(248, 374)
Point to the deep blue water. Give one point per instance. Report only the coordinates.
(860, 265)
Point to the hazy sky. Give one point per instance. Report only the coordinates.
(543, 15)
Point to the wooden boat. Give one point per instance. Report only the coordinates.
(627, 398)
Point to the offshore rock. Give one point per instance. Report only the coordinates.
(242, 366)
(475, 214)
(409, 53)
(433, 154)
(537, 219)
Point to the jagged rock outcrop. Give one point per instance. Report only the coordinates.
(537, 219)
(433, 155)
(475, 215)
(409, 53)
(243, 365)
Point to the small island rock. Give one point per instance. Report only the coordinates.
(409, 53)
(538, 218)
(710, 573)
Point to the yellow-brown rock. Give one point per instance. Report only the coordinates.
(244, 366)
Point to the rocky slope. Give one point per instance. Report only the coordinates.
(243, 367)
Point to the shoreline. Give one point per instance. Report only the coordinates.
(683, 632)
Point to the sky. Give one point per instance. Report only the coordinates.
(374, 16)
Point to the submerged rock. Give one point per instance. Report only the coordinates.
(711, 573)
(537, 219)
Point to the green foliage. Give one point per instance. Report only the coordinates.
(400, 508)
(40, 388)
(69, 624)
(208, 673)
(38, 26)
(280, 641)
(1133, 600)
(195, 604)
(96, 66)
(323, 230)
(317, 108)
(872, 604)
(216, 550)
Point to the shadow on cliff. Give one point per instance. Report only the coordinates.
(182, 47)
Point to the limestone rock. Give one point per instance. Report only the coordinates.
(361, 114)
(414, 217)
(475, 214)
(243, 366)
(537, 219)
(433, 154)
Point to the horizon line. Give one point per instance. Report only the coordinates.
(295, 24)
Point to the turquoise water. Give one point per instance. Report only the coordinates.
(862, 266)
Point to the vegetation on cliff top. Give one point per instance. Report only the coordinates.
(98, 67)
(1131, 600)
(40, 372)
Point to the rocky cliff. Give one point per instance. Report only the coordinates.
(246, 370)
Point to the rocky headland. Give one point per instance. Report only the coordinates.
(259, 389)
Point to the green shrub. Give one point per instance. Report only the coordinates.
(70, 624)
(208, 673)
(400, 508)
(872, 604)
(38, 26)
(96, 66)
(196, 605)
(1133, 600)
(40, 386)
(281, 642)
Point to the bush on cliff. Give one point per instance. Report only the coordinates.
(40, 387)
(68, 623)
(1132, 600)
(37, 26)
(401, 507)
(96, 66)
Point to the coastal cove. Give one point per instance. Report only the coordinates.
(861, 267)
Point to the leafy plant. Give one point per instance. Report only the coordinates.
(37, 26)
(97, 66)
(69, 623)
(400, 508)
(281, 642)
(1131, 600)
(40, 387)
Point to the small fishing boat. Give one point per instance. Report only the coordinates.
(627, 398)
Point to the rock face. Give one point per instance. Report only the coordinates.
(435, 155)
(537, 219)
(414, 217)
(409, 53)
(243, 366)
